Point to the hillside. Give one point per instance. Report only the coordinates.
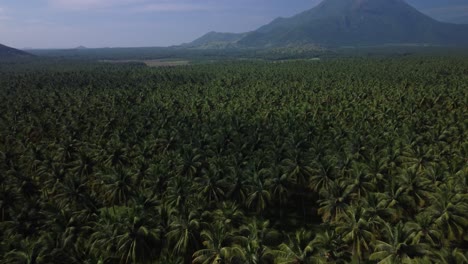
(11, 53)
(335, 23)
(216, 40)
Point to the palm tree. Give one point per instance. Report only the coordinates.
(29, 252)
(210, 187)
(331, 247)
(74, 193)
(107, 228)
(358, 182)
(260, 197)
(219, 247)
(323, 176)
(449, 210)
(238, 186)
(376, 208)
(117, 157)
(334, 203)
(397, 246)
(298, 250)
(277, 183)
(396, 198)
(253, 237)
(449, 256)
(119, 187)
(411, 180)
(230, 214)
(139, 243)
(419, 158)
(184, 235)
(354, 227)
(84, 166)
(376, 169)
(425, 231)
(178, 193)
(298, 168)
(190, 163)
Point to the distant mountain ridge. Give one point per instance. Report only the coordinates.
(216, 40)
(11, 53)
(335, 23)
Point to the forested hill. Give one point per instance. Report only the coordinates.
(336, 23)
(7, 53)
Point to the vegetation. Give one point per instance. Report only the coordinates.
(351, 160)
(7, 53)
(341, 23)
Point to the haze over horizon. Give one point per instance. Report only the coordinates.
(140, 23)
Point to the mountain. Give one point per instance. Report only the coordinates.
(216, 40)
(11, 53)
(335, 23)
(459, 19)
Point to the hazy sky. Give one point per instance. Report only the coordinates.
(131, 23)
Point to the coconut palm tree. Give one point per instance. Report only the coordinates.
(397, 246)
(260, 197)
(425, 231)
(299, 249)
(238, 186)
(449, 211)
(190, 163)
(210, 187)
(230, 214)
(354, 226)
(252, 238)
(140, 242)
(323, 175)
(334, 203)
(119, 187)
(29, 252)
(219, 247)
(331, 247)
(447, 256)
(183, 234)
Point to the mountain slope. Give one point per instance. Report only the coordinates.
(358, 22)
(11, 53)
(216, 40)
(335, 23)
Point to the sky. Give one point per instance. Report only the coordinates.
(143, 23)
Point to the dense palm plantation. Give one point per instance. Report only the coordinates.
(358, 160)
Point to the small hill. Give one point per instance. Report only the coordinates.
(216, 40)
(7, 53)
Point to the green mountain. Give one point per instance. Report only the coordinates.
(11, 53)
(335, 23)
(216, 40)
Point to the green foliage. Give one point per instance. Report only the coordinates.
(339, 161)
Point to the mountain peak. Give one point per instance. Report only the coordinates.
(357, 23)
(336, 23)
